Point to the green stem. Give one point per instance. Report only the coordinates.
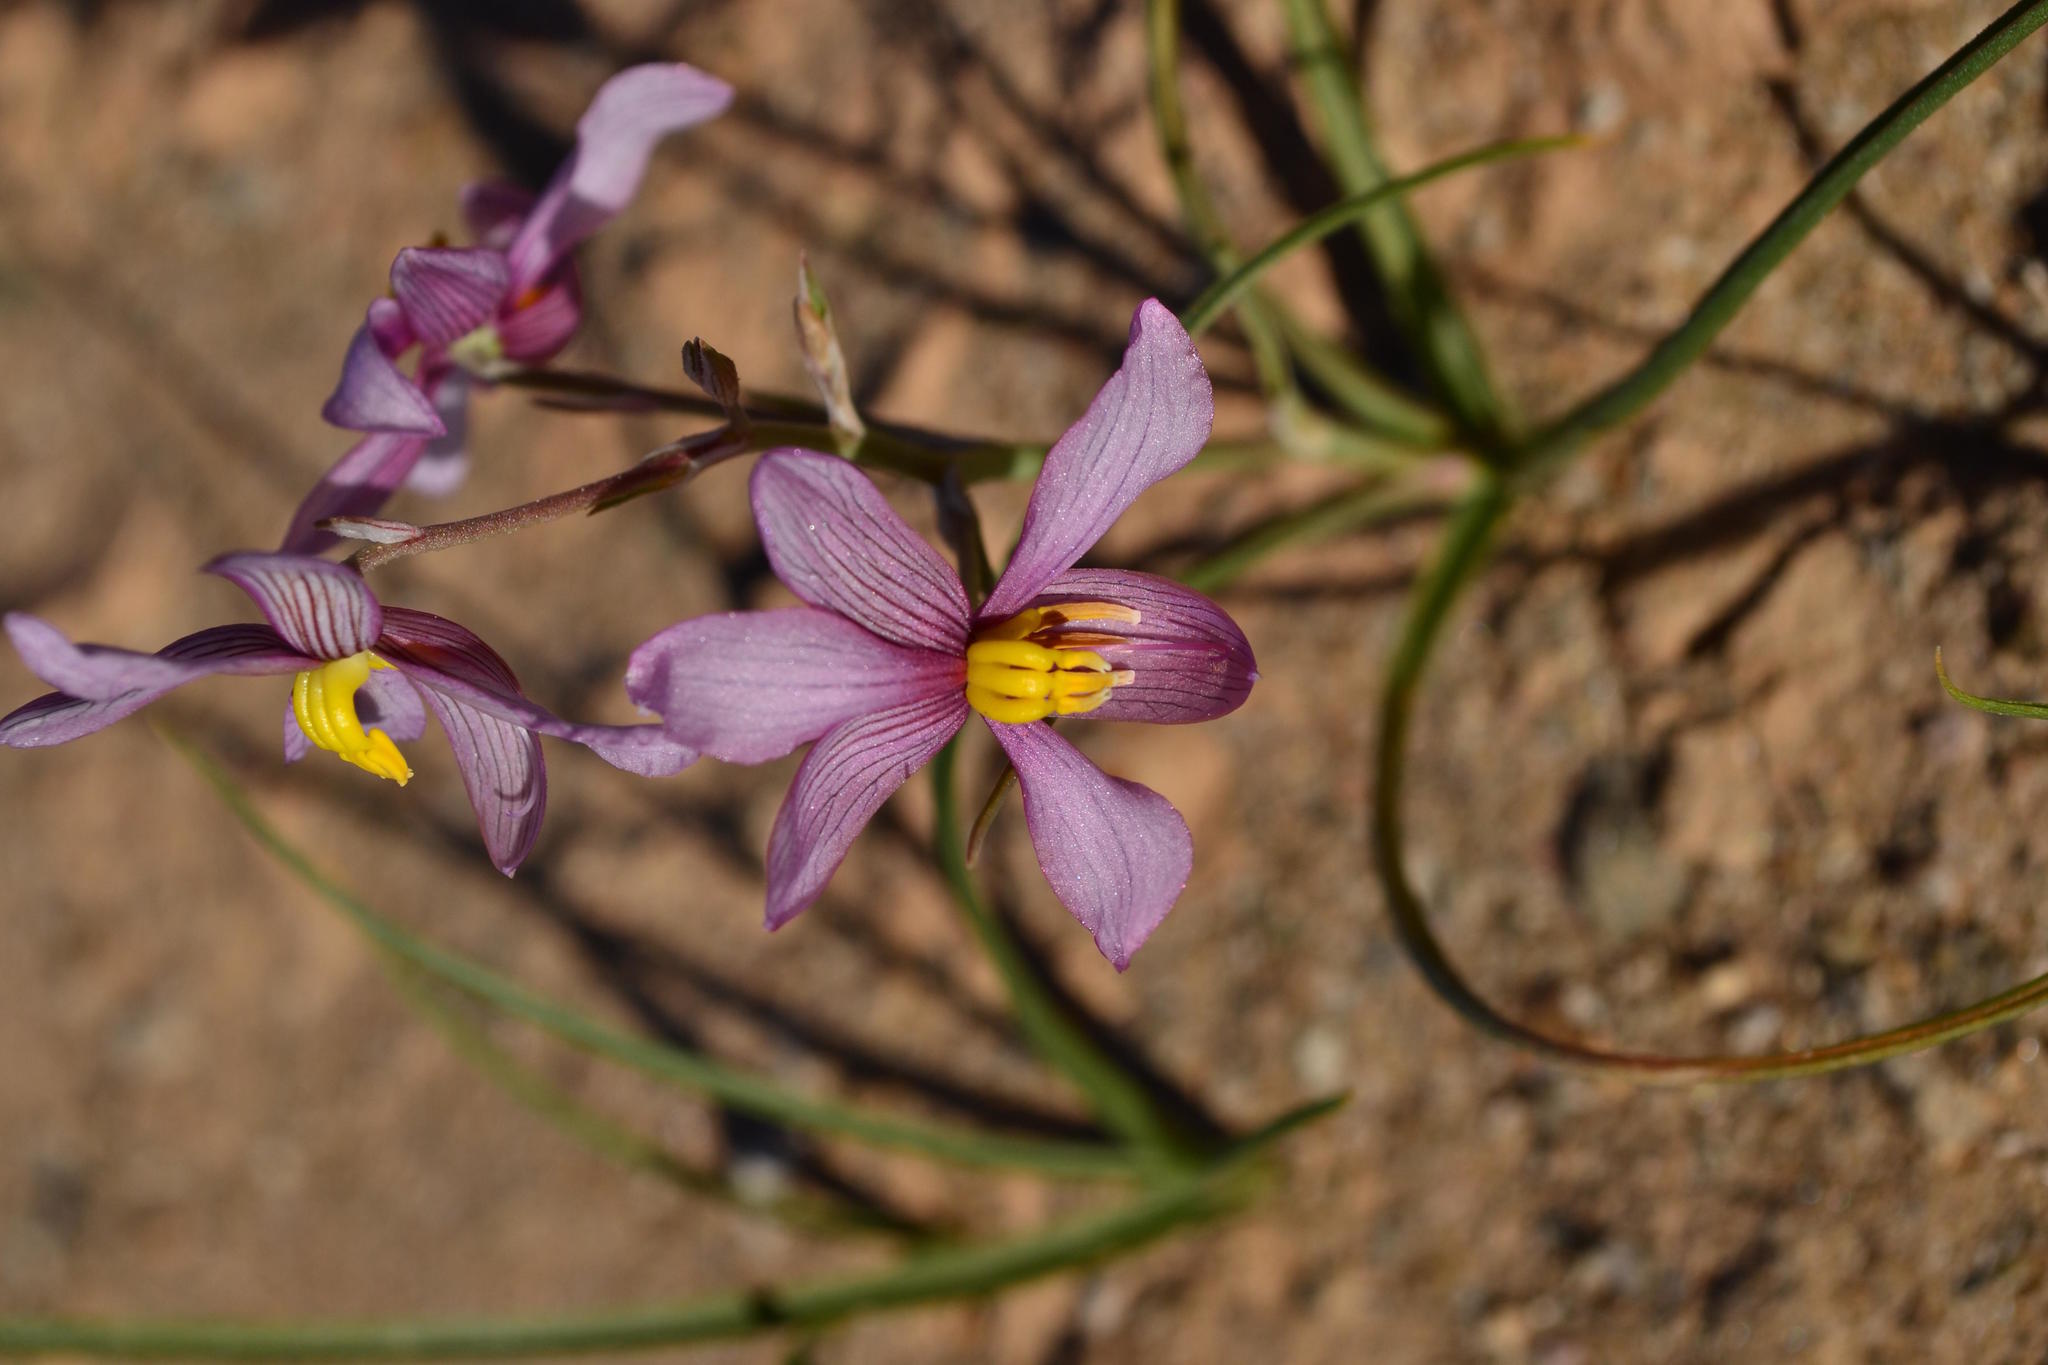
(1462, 551)
(1118, 1099)
(1383, 406)
(736, 1089)
(1629, 394)
(1416, 295)
(1203, 312)
(1366, 504)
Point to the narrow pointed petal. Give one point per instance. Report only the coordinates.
(494, 209)
(385, 702)
(449, 292)
(374, 396)
(322, 609)
(99, 684)
(535, 331)
(444, 463)
(842, 783)
(358, 485)
(1116, 854)
(503, 772)
(449, 660)
(1190, 660)
(631, 113)
(750, 686)
(835, 541)
(1149, 420)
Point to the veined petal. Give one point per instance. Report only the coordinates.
(449, 292)
(837, 544)
(842, 782)
(322, 609)
(1149, 420)
(444, 463)
(1116, 854)
(493, 209)
(630, 113)
(374, 396)
(358, 485)
(450, 660)
(750, 686)
(99, 684)
(533, 332)
(385, 701)
(1189, 660)
(503, 772)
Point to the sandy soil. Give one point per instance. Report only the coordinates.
(1684, 779)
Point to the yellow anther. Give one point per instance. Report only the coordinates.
(1012, 654)
(1017, 680)
(324, 700)
(1008, 710)
(1009, 682)
(1031, 620)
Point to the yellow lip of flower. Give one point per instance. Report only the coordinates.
(1019, 670)
(324, 700)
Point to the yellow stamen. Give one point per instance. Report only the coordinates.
(324, 700)
(1023, 669)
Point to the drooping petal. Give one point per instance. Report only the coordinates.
(447, 659)
(1149, 420)
(493, 209)
(1116, 854)
(630, 113)
(444, 463)
(449, 292)
(1190, 660)
(358, 485)
(503, 772)
(842, 782)
(386, 701)
(750, 686)
(373, 396)
(536, 329)
(835, 541)
(322, 609)
(99, 684)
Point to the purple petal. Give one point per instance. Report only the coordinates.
(374, 396)
(100, 684)
(836, 542)
(842, 783)
(444, 463)
(358, 485)
(631, 112)
(494, 209)
(1190, 660)
(385, 702)
(1149, 420)
(389, 327)
(449, 292)
(1116, 854)
(750, 686)
(321, 609)
(449, 660)
(541, 325)
(503, 772)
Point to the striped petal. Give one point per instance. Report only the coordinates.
(321, 609)
(503, 772)
(837, 544)
(538, 328)
(1149, 420)
(750, 686)
(842, 783)
(99, 684)
(631, 113)
(1188, 659)
(1116, 854)
(358, 485)
(448, 292)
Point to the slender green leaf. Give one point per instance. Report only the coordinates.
(2027, 710)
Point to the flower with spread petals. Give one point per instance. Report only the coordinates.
(366, 675)
(882, 666)
(512, 298)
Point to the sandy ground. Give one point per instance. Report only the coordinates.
(1684, 779)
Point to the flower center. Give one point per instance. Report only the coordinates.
(481, 352)
(324, 700)
(1026, 668)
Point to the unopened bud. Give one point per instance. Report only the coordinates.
(714, 372)
(823, 358)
